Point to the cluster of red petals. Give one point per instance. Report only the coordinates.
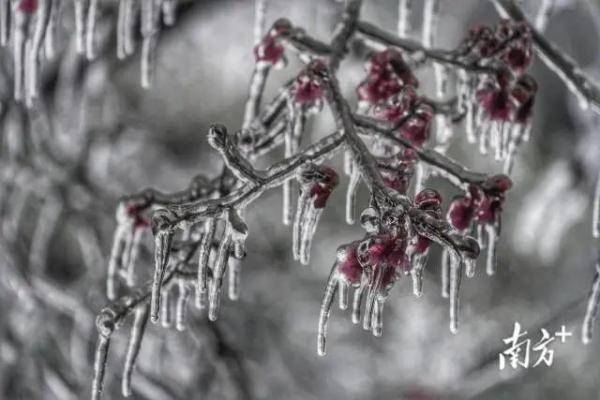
(270, 50)
(28, 6)
(350, 267)
(307, 90)
(508, 101)
(135, 213)
(482, 204)
(509, 42)
(322, 189)
(387, 75)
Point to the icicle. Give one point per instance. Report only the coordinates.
(121, 30)
(596, 211)
(203, 258)
(441, 80)
(544, 13)
(456, 266)
(53, 21)
(100, 366)
(138, 328)
(343, 287)
(115, 260)
(492, 238)
(592, 308)
(80, 6)
(326, 310)
(299, 220)
(169, 12)
(235, 268)
(431, 10)
(149, 12)
(4, 22)
(90, 33)
(20, 21)
(416, 272)
(214, 297)
(181, 306)
(310, 226)
(356, 302)
(445, 273)
(470, 122)
(369, 305)
(129, 27)
(480, 237)
(470, 265)
(421, 175)
(291, 143)
(404, 11)
(377, 320)
(351, 196)
(105, 325)
(348, 162)
(161, 259)
(166, 318)
(131, 259)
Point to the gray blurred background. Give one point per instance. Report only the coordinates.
(264, 345)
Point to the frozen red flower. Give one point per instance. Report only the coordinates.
(28, 6)
(322, 189)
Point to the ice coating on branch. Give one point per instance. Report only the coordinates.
(317, 182)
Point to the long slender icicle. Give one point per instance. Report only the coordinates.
(4, 22)
(100, 366)
(166, 317)
(140, 321)
(299, 219)
(326, 310)
(149, 14)
(596, 211)
(492, 239)
(404, 12)
(235, 269)
(53, 22)
(456, 267)
(310, 226)
(32, 57)
(181, 306)
(445, 273)
(90, 31)
(592, 308)
(203, 259)
(214, 297)
(80, 6)
(161, 259)
(356, 303)
(20, 21)
(351, 196)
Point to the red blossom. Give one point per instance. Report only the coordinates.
(28, 6)
(135, 213)
(269, 51)
(350, 268)
(387, 74)
(321, 190)
(307, 91)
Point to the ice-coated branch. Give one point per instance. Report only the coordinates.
(445, 57)
(585, 89)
